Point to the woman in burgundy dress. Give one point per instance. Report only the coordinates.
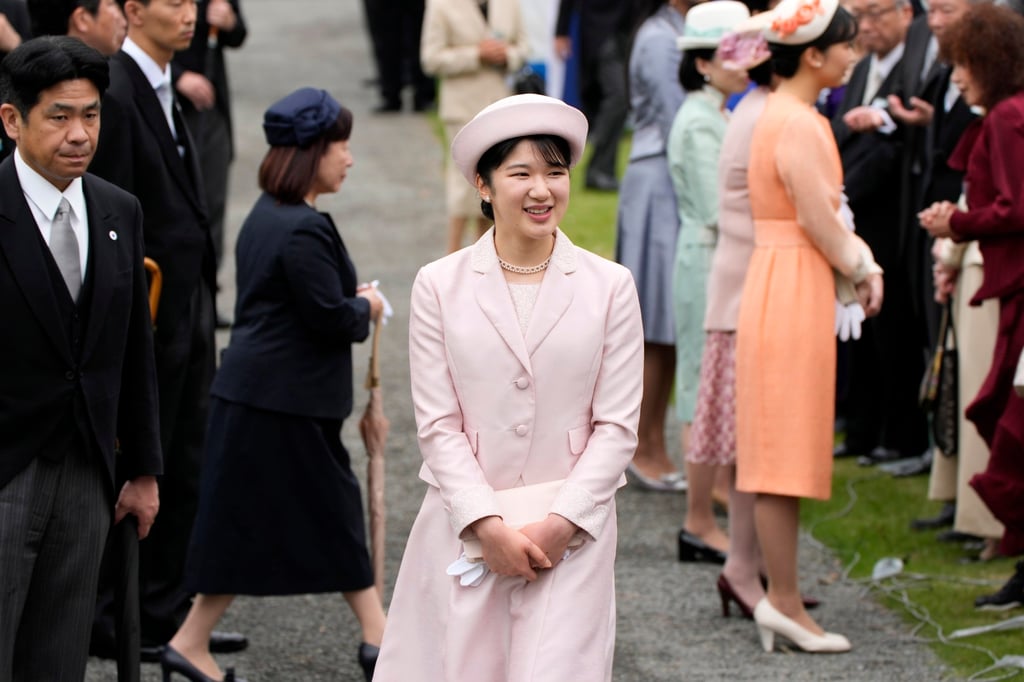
(983, 47)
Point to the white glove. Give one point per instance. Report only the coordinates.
(848, 319)
(470, 573)
(845, 213)
(387, 310)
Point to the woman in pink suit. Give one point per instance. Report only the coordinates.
(526, 357)
(785, 345)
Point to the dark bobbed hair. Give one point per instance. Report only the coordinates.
(989, 41)
(41, 63)
(786, 58)
(288, 173)
(762, 73)
(51, 17)
(552, 148)
(689, 77)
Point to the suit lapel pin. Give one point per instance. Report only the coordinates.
(112, 235)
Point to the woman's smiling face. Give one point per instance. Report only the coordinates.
(529, 195)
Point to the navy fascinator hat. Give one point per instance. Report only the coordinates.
(299, 118)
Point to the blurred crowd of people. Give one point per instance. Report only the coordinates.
(816, 191)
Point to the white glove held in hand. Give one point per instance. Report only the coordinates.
(470, 573)
(848, 320)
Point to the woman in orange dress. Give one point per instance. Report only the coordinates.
(785, 346)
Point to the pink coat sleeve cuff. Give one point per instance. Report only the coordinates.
(470, 505)
(576, 504)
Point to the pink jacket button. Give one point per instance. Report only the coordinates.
(522, 430)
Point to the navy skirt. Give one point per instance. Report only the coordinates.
(280, 510)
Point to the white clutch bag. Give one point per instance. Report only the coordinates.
(520, 507)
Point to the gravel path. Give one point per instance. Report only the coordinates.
(390, 212)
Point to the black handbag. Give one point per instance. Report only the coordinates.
(939, 387)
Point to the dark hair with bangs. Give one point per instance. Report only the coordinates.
(41, 63)
(786, 58)
(288, 173)
(51, 17)
(989, 41)
(552, 148)
(689, 77)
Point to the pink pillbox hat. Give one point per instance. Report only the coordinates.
(518, 116)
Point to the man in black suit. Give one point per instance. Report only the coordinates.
(940, 115)
(145, 148)
(77, 378)
(201, 79)
(604, 27)
(100, 24)
(886, 363)
(14, 28)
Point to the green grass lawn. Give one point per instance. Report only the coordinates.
(868, 518)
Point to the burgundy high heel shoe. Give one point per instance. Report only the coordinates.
(727, 594)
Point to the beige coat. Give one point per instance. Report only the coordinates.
(452, 31)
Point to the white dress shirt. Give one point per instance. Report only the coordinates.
(44, 199)
(159, 79)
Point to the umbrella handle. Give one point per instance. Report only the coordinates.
(373, 373)
(156, 283)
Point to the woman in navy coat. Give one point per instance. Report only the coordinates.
(280, 510)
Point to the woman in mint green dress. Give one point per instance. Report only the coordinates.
(693, 149)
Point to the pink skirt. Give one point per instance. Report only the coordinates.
(713, 432)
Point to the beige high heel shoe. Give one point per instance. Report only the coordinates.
(771, 622)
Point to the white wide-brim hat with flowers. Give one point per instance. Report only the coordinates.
(708, 22)
(798, 22)
(518, 116)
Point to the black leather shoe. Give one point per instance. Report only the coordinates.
(388, 107)
(692, 548)
(957, 536)
(1009, 596)
(173, 662)
(227, 642)
(368, 659)
(941, 520)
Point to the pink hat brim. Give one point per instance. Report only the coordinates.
(518, 116)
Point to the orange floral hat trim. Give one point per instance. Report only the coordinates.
(805, 13)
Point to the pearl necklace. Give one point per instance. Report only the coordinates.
(524, 270)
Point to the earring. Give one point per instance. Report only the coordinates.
(486, 200)
(707, 78)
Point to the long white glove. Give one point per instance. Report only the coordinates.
(848, 320)
(469, 573)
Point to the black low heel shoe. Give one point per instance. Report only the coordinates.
(692, 548)
(173, 662)
(368, 659)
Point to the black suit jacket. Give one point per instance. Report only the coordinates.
(871, 170)
(599, 19)
(41, 376)
(296, 317)
(17, 15)
(199, 57)
(137, 152)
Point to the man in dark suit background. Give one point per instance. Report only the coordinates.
(14, 28)
(100, 24)
(201, 79)
(886, 363)
(76, 361)
(603, 52)
(145, 148)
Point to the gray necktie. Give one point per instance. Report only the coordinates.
(64, 246)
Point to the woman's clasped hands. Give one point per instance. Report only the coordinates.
(524, 552)
(935, 218)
